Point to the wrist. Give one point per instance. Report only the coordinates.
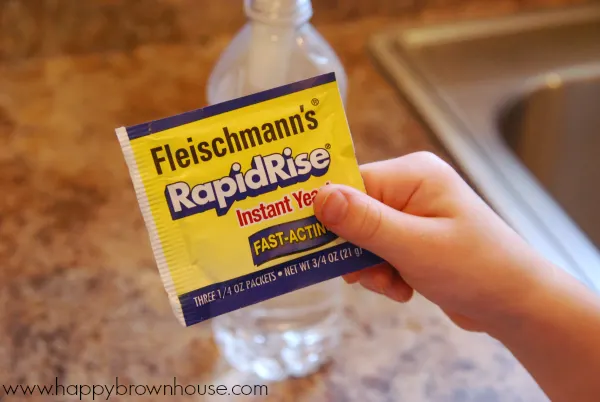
(554, 333)
(553, 298)
(541, 288)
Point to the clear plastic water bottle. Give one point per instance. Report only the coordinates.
(294, 334)
(277, 46)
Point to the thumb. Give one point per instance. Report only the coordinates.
(368, 223)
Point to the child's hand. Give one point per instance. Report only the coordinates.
(438, 236)
(442, 240)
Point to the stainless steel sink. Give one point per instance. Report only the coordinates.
(516, 103)
(555, 133)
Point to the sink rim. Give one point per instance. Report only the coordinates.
(485, 158)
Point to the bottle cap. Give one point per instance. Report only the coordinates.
(279, 11)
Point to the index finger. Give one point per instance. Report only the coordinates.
(396, 181)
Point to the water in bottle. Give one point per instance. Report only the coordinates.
(294, 334)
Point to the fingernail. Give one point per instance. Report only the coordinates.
(334, 208)
(372, 284)
(397, 294)
(352, 278)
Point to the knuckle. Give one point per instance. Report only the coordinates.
(426, 155)
(434, 166)
(430, 159)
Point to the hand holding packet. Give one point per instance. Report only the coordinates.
(226, 194)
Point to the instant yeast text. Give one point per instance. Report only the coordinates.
(226, 193)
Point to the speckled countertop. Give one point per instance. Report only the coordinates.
(80, 296)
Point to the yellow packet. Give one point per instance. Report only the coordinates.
(226, 194)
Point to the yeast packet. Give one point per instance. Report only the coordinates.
(226, 193)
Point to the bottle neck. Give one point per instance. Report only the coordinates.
(279, 12)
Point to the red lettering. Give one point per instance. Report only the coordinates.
(272, 210)
(298, 197)
(288, 207)
(244, 217)
(304, 199)
(262, 211)
(267, 211)
(307, 199)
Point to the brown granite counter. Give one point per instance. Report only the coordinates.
(80, 296)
